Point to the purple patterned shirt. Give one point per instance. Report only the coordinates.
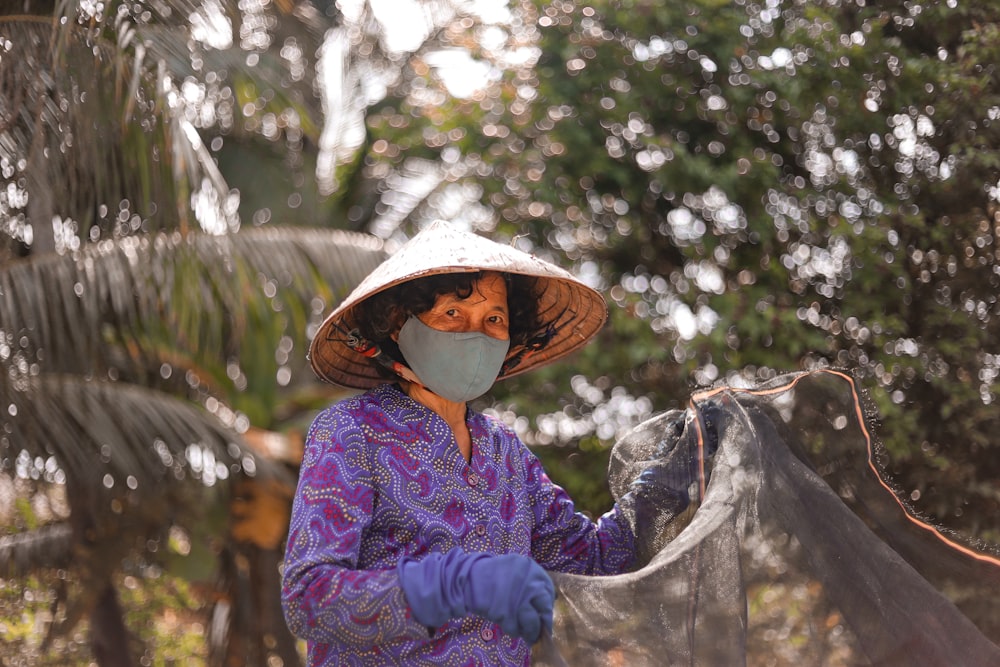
(382, 478)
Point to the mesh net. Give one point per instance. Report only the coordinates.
(795, 552)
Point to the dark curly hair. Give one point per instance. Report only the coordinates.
(382, 314)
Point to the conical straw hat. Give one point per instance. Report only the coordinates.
(574, 311)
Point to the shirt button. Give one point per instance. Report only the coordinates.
(480, 530)
(473, 479)
(486, 632)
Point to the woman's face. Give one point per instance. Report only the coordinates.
(483, 310)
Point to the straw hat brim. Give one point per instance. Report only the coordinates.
(575, 311)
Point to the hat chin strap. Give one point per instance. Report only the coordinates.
(370, 350)
(533, 345)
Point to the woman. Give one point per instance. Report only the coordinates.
(421, 530)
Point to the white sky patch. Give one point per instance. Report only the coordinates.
(351, 10)
(994, 191)
(405, 23)
(780, 58)
(945, 169)
(210, 25)
(847, 161)
(684, 225)
(590, 273)
(342, 131)
(678, 317)
(707, 276)
(463, 75)
(492, 38)
(684, 321)
(490, 11)
(909, 132)
(521, 56)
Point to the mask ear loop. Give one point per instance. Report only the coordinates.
(366, 348)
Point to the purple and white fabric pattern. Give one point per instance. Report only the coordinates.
(382, 478)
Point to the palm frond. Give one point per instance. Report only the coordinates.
(113, 439)
(407, 189)
(82, 150)
(72, 325)
(132, 305)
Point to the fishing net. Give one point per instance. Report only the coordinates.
(798, 552)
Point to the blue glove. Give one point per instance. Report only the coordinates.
(510, 590)
(675, 465)
(661, 492)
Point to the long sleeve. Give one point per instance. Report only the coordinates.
(565, 540)
(326, 598)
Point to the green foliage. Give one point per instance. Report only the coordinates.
(582, 470)
(166, 614)
(764, 189)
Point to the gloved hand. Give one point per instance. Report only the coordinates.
(662, 491)
(511, 590)
(674, 464)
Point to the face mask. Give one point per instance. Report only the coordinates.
(459, 366)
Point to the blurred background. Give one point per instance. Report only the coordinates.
(188, 186)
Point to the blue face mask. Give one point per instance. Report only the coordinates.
(459, 366)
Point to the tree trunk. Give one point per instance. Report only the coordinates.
(255, 629)
(270, 617)
(109, 638)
